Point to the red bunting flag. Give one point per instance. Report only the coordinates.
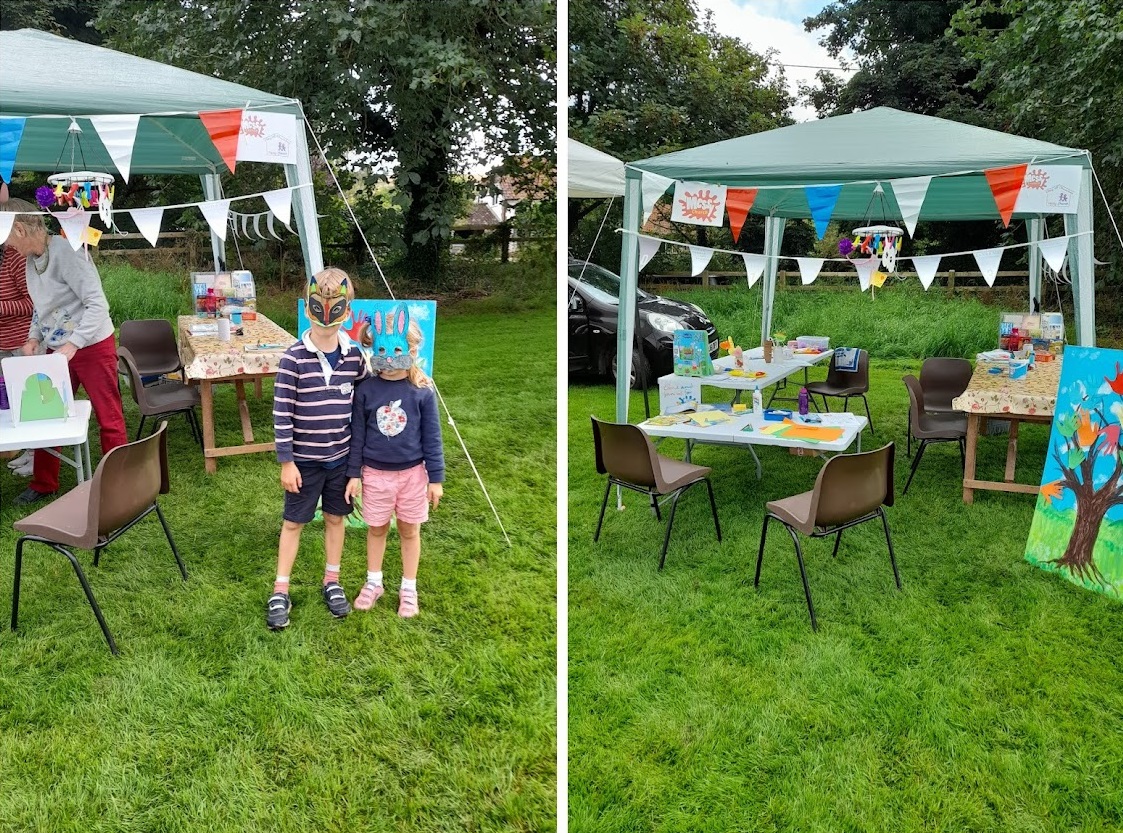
(1005, 185)
(224, 127)
(738, 202)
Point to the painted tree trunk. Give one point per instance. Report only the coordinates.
(1077, 557)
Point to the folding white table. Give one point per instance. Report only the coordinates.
(775, 371)
(734, 433)
(47, 433)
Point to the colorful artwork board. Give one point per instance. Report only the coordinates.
(38, 387)
(691, 353)
(1077, 529)
(424, 313)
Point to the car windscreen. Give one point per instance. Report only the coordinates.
(601, 284)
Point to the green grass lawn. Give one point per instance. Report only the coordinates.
(987, 695)
(208, 721)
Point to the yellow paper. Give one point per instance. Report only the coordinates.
(878, 278)
(91, 235)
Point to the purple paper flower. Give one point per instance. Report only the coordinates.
(845, 246)
(45, 196)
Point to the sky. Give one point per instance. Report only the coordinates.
(776, 24)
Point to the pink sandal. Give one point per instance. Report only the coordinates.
(407, 604)
(370, 594)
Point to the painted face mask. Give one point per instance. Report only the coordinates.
(327, 310)
(390, 350)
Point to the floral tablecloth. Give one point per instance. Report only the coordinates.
(205, 357)
(996, 393)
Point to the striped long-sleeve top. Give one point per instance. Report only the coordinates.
(15, 303)
(312, 402)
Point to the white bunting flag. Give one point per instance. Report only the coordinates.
(809, 269)
(648, 246)
(6, 220)
(148, 222)
(1049, 189)
(909, 193)
(699, 204)
(267, 137)
(653, 186)
(117, 133)
(75, 223)
(215, 213)
(280, 203)
(989, 260)
(754, 267)
(865, 270)
(699, 258)
(269, 224)
(1054, 251)
(926, 268)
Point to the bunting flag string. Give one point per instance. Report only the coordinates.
(242, 225)
(215, 213)
(926, 266)
(1005, 184)
(738, 204)
(821, 199)
(148, 222)
(909, 193)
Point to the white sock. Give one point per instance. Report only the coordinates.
(409, 584)
(374, 577)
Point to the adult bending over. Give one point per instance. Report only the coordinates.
(71, 318)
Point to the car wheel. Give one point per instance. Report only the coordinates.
(638, 361)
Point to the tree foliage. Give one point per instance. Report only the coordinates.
(649, 76)
(431, 88)
(905, 56)
(1053, 71)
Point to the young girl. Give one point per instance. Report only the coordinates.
(397, 460)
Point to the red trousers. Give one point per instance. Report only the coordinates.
(94, 368)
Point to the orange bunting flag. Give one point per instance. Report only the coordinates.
(224, 127)
(1005, 185)
(738, 203)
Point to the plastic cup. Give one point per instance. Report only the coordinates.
(224, 329)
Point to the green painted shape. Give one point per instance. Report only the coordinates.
(40, 400)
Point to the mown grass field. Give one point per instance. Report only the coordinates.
(208, 721)
(986, 695)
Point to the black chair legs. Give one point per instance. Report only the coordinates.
(168, 533)
(803, 575)
(915, 463)
(603, 504)
(713, 509)
(81, 578)
(889, 541)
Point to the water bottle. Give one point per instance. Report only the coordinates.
(758, 403)
(803, 396)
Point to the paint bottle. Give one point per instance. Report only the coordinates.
(758, 403)
(803, 396)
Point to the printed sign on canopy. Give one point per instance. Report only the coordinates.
(698, 203)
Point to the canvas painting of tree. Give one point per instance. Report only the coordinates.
(1077, 528)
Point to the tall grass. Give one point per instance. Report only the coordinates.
(897, 322)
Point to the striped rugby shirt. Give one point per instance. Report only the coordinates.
(312, 402)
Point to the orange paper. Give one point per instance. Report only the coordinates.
(822, 433)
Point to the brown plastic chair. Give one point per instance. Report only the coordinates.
(153, 345)
(931, 427)
(850, 490)
(845, 384)
(165, 399)
(97, 512)
(630, 460)
(943, 379)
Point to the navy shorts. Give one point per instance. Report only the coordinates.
(316, 483)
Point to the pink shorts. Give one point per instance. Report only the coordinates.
(401, 493)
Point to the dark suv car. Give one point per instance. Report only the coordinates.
(594, 302)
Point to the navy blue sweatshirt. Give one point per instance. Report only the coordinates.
(395, 426)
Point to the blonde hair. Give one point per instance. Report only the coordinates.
(27, 214)
(415, 374)
(328, 281)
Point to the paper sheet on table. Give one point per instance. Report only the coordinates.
(813, 433)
